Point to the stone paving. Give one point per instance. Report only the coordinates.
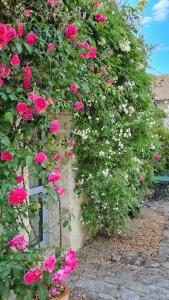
(137, 275)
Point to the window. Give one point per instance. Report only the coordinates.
(35, 193)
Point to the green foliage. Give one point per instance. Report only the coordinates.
(115, 133)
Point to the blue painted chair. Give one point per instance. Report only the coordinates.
(161, 184)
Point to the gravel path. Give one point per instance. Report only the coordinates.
(134, 267)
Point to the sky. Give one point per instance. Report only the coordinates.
(156, 32)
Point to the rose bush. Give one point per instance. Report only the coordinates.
(84, 58)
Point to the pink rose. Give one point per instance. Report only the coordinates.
(71, 31)
(26, 84)
(54, 176)
(79, 105)
(40, 157)
(4, 71)
(27, 12)
(60, 275)
(55, 126)
(32, 275)
(21, 107)
(28, 114)
(142, 180)
(158, 157)
(2, 29)
(51, 47)
(19, 243)
(32, 96)
(40, 104)
(60, 190)
(5, 155)
(3, 41)
(70, 154)
(17, 196)
(20, 31)
(79, 43)
(31, 38)
(70, 262)
(11, 33)
(27, 72)
(85, 45)
(110, 81)
(49, 101)
(96, 4)
(1, 82)
(58, 157)
(71, 143)
(100, 18)
(93, 52)
(49, 263)
(85, 55)
(51, 2)
(19, 179)
(73, 88)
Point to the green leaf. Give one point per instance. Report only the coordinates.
(19, 48)
(8, 117)
(4, 292)
(29, 295)
(43, 293)
(29, 160)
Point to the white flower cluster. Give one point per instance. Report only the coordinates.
(130, 84)
(83, 133)
(128, 110)
(127, 133)
(105, 172)
(125, 46)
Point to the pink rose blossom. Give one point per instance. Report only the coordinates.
(32, 275)
(19, 179)
(2, 29)
(93, 52)
(27, 12)
(96, 4)
(51, 2)
(100, 18)
(5, 155)
(60, 190)
(4, 71)
(28, 114)
(19, 243)
(58, 157)
(55, 126)
(79, 43)
(85, 45)
(73, 88)
(54, 176)
(70, 153)
(60, 275)
(142, 180)
(21, 107)
(26, 84)
(71, 143)
(85, 55)
(40, 157)
(31, 38)
(10, 34)
(49, 101)
(40, 104)
(79, 105)
(15, 60)
(49, 263)
(51, 47)
(27, 72)
(158, 157)
(70, 262)
(71, 31)
(20, 31)
(110, 81)
(17, 196)
(32, 96)
(1, 82)
(3, 41)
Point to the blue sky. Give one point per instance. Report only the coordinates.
(156, 32)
